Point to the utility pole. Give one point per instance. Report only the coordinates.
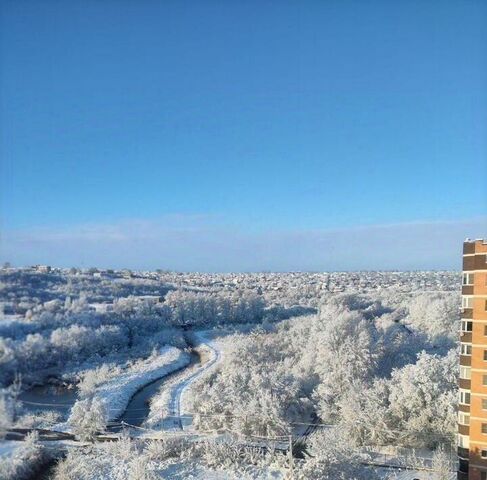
(291, 459)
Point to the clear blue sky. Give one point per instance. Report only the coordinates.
(256, 117)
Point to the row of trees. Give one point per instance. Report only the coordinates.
(36, 352)
(76, 332)
(190, 308)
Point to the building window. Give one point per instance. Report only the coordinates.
(463, 441)
(484, 380)
(484, 403)
(485, 330)
(484, 428)
(467, 325)
(483, 453)
(467, 302)
(466, 349)
(485, 355)
(468, 279)
(464, 397)
(463, 418)
(486, 305)
(483, 475)
(465, 373)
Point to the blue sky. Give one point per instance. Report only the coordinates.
(251, 131)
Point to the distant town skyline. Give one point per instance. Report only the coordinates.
(242, 136)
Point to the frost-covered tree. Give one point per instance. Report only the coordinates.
(418, 392)
(333, 459)
(24, 460)
(6, 415)
(443, 463)
(90, 379)
(88, 418)
(403, 410)
(364, 415)
(435, 314)
(349, 351)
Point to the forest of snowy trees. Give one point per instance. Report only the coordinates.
(369, 358)
(53, 336)
(380, 367)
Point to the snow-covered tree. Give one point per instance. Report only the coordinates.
(443, 464)
(333, 459)
(88, 418)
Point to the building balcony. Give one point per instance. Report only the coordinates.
(466, 337)
(463, 429)
(475, 263)
(463, 466)
(464, 383)
(467, 289)
(479, 246)
(463, 453)
(465, 360)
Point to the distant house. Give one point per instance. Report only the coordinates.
(127, 273)
(43, 268)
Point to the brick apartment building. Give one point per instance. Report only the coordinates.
(472, 408)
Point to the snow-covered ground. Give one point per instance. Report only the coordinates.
(115, 394)
(182, 393)
(412, 475)
(397, 458)
(195, 471)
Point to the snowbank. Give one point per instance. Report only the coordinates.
(116, 393)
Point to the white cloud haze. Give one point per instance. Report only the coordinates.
(204, 243)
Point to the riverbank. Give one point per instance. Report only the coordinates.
(117, 393)
(28, 459)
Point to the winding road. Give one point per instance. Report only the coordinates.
(178, 419)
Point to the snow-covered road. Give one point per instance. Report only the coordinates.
(182, 389)
(168, 412)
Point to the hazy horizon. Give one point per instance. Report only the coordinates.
(177, 244)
